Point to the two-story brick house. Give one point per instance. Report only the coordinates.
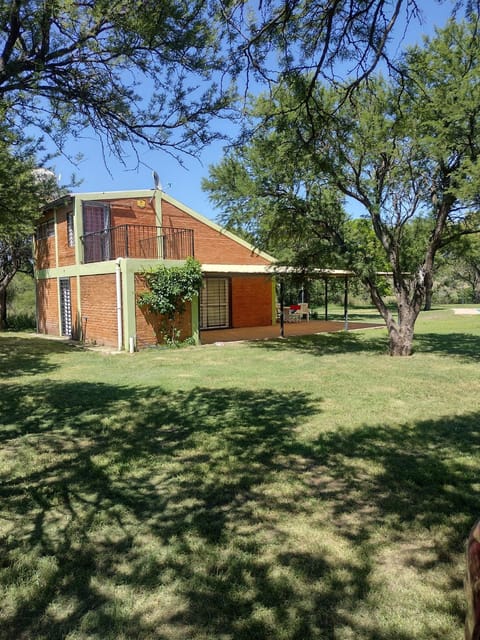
(90, 252)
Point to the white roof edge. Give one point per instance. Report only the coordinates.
(332, 273)
(272, 269)
(217, 227)
(237, 268)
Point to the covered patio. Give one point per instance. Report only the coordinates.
(284, 328)
(212, 336)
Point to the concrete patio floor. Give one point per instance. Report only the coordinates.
(212, 336)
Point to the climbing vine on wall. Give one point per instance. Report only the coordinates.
(169, 289)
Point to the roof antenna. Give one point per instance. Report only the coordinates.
(156, 181)
(156, 185)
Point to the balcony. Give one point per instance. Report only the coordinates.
(138, 241)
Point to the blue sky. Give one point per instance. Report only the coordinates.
(182, 182)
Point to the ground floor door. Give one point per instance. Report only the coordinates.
(215, 304)
(65, 307)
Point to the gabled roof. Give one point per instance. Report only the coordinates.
(149, 193)
(217, 227)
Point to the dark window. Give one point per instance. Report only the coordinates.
(46, 230)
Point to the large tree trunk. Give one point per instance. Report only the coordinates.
(401, 337)
(428, 292)
(400, 329)
(4, 282)
(476, 285)
(3, 308)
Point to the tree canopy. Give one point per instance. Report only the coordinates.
(24, 189)
(404, 148)
(132, 71)
(157, 72)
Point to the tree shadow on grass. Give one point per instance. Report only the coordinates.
(140, 513)
(424, 473)
(463, 345)
(326, 344)
(20, 356)
(89, 467)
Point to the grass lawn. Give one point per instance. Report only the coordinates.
(310, 488)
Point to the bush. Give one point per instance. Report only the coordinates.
(21, 303)
(22, 322)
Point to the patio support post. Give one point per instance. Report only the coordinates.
(118, 289)
(326, 299)
(282, 320)
(345, 305)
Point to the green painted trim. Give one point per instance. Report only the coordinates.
(195, 307)
(158, 208)
(145, 265)
(78, 230)
(93, 269)
(79, 308)
(217, 227)
(274, 302)
(113, 195)
(128, 304)
(100, 268)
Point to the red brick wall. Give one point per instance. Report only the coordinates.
(149, 325)
(44, 250)
(66, 254)
(99, 309)
(131, 211)
(47, 307)
(45, 253)
(251, 301)
(211, 247)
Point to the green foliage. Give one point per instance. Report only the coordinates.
(169, 289)
(69, 65)
(282, 39)
(405, 149)
(269, 188)
(24, 189)
(459, 271)
(156, 72)
(21, 302)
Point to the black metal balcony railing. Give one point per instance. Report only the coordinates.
(138, 241)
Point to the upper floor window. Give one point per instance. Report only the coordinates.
(46, 229)
(70, 230)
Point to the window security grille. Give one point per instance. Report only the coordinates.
(70, 232)
(65, 307)
(214, 304)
